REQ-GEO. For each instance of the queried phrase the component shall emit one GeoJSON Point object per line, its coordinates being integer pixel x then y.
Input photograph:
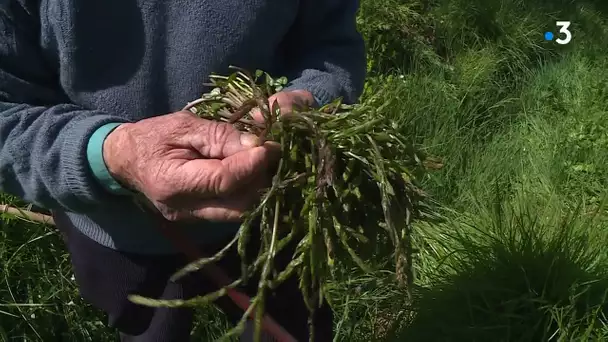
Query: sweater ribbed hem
{"type": "Point", "coordinates": [85, 191]}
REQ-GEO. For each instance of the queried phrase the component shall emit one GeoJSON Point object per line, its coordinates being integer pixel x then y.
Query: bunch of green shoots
{"type": "Point", "coordinates": [344, 189]}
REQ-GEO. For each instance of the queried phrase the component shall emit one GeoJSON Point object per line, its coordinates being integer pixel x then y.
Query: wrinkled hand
{"type": "Point", "coordinates": [188, 167]}
{"type": "Point", "coordinates": [287, 102]}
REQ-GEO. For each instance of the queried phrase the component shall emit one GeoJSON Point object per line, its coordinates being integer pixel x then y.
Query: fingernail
{"type": "Point", "coordinates": [249, 140]}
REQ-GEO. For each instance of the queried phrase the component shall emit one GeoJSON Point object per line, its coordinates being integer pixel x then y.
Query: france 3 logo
{"type": "Point", "coordinates": [564, 35]}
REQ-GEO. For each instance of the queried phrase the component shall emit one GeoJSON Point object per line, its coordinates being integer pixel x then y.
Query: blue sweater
{"type": "Point", "coordinates": [68, 69]}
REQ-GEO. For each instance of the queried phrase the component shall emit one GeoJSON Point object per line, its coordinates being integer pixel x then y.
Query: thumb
{"type": "Point", "coordinates": [218, 178]}
{"type": "Point", "coordinates": [218, 140]}
{"type": "Point", "coordinates": [244, 167]}
{"type": "Point", "coordinates": [252, 165]}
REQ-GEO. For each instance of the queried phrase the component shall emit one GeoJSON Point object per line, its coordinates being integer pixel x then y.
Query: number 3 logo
{"type": "Point", "coordinates": [563, 29]}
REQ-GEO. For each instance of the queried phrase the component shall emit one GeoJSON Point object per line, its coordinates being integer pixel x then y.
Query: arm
{"type": "Point", "coordinates": [43, 138]}
{"type": "Point", "coordinates": [326, 53]}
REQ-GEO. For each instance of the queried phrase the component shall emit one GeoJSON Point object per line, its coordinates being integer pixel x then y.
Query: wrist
{"type": "Point", "coordinates": [115, 154]}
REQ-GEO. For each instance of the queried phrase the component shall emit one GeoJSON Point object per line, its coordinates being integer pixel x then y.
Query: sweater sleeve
{"type": "Point", "coordinates": [325, 52]}
{"type": "Point", "coordinates": [43, 137]}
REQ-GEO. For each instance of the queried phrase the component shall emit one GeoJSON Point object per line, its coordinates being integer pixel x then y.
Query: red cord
{"type": "Point", "coordinates": [269, 325]}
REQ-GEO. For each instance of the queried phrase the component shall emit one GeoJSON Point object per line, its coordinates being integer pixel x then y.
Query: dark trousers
{"type": "Point", "coordinates": [106, 277]}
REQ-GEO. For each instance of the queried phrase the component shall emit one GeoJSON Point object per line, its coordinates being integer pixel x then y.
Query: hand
{"type": "Point", "coordinates": [287, 101]}
{"type": "Point", "coordinates": [190, 168]}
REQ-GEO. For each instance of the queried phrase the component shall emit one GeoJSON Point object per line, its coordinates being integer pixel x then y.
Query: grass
{"type": "Point", "coordinates": [521, 125]}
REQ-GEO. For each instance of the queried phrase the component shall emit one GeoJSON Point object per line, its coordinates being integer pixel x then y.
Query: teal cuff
{"type": "Point", "coordinates": [96, 162]}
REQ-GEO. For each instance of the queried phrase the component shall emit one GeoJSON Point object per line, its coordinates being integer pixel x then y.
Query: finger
{"type": "Point", "coordinates": [233, 207]}
{"type": "Point", "coordinates": [189, 195]}
{"type": "Point", "coordinates": [256, 114]}
{"type": "Point", "coordinates": [212, 177]}
{"type": "Point", "coordinates": [218, 140]}
{"type": "Point", "coordinates": [274, 102]}
{"type": "Point", "coordinates": [248, 169]}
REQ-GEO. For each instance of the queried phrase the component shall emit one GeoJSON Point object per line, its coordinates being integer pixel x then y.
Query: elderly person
{"type": "Point", "coordinates": [90, 93]}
